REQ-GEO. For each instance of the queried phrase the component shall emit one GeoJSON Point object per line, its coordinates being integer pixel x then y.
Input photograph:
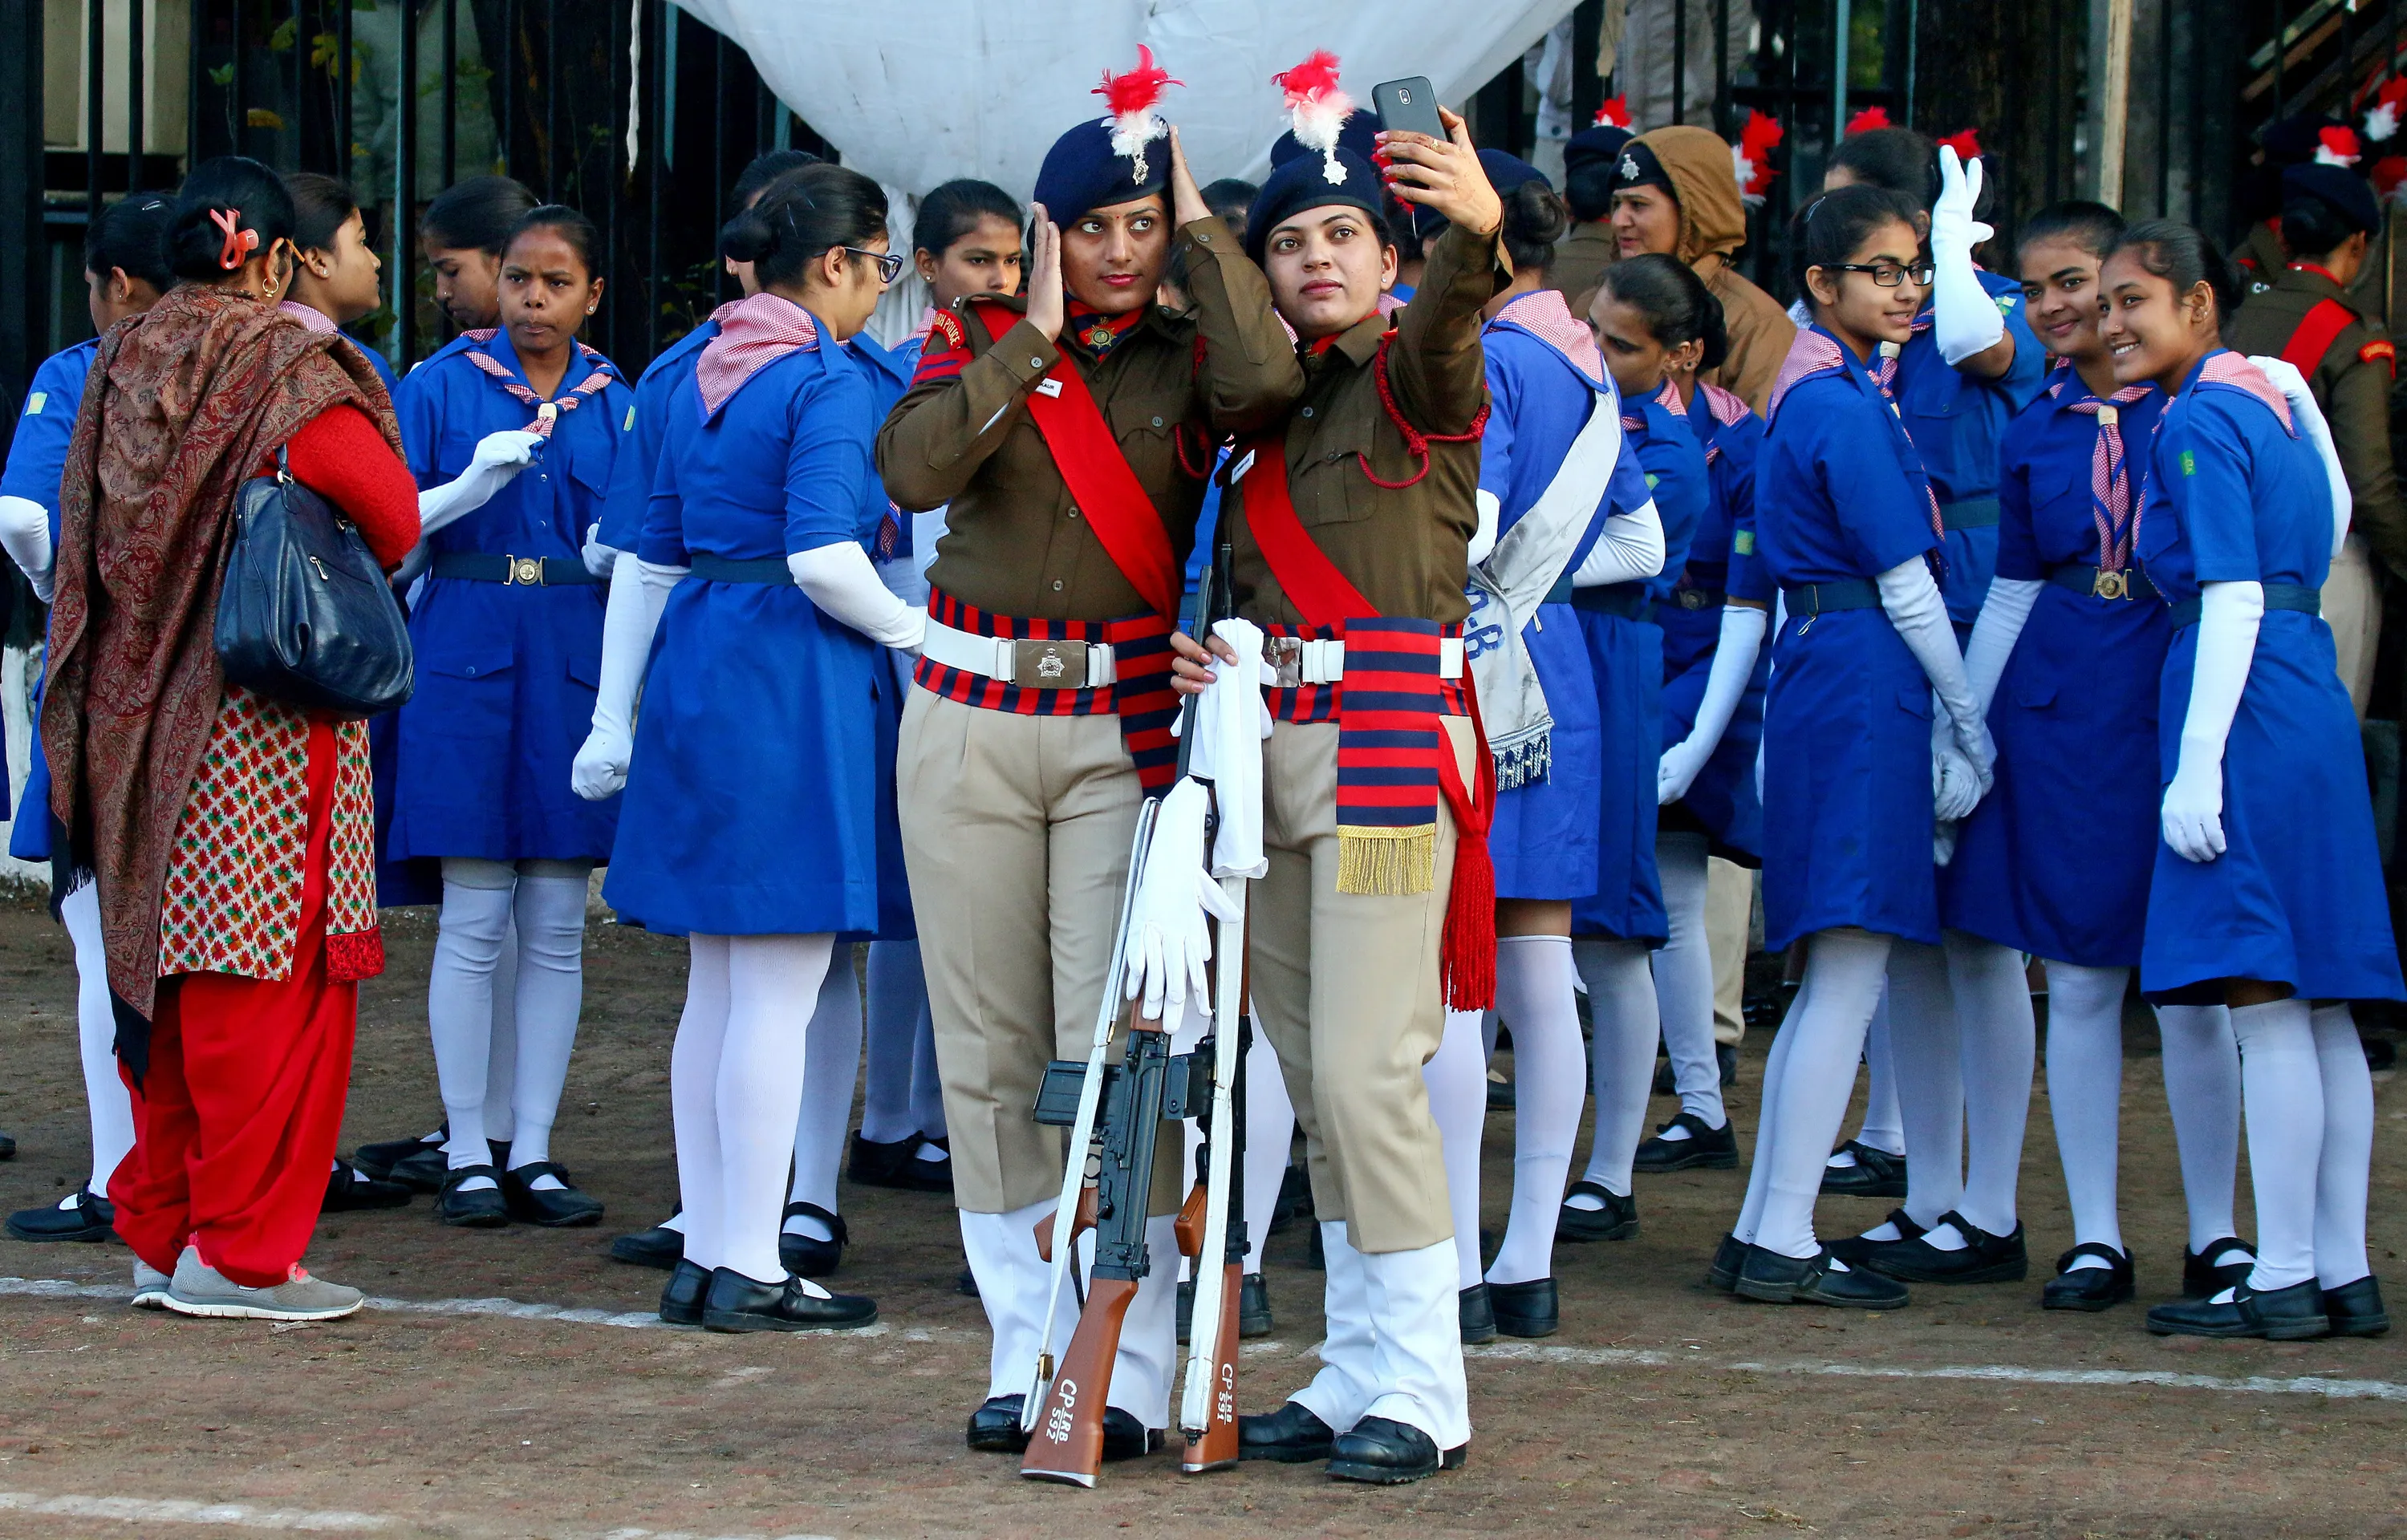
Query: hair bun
{"type": "Point", "coordinates": [748, 237]}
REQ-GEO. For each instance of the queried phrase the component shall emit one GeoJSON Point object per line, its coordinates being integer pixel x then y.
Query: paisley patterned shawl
{"type": "Point", "coordinates": [186, 402]}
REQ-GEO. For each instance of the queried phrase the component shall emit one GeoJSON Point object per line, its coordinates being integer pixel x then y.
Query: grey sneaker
{"type": "Point", "coordinates": [151, 1286]}
{"type": "Point", "coordinates": [200, 1290]}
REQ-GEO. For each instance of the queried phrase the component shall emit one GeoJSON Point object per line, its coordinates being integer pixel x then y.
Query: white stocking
{"type": "Point", "coordinates": [1927, 1054]}
{"type": "Point", "coordinates": [476, 914]}
{"type": "Point", "coordinates": [1533, 992]}
{"type": "Point", "coordinates": [1684, 978]}
{"type": "Point", "coordinates": [898, 991]}
{"type": "Point", "coordinates": [1998, 1041]}
{"type": "Point", "coordinates": [1842, 983]}
{"type": "Point", "coordinates": [1884, 1126]}
{"type": "Point", "coordinates": [2085, 1095]}
{"type": "Point", "coordinates": [771, 980]}
{"type": "Point", "coordinates": [2282, 1090]}
{"type": "Point", "coordinates": [2202, 1092]}
{"type": "Point", "coordinates": [550, 912]}
{"type": "Point", "coordinates": [110, 1105]}
{"type": "Point", "coordinates": [1270, 1140]}
{"type": "Point", "coordinates": [2343, 1173]}
{"type": "Point", "coordinates": [502, 1058]}
{"type": "Point", "coordinates": [831, 1069]}
{"type": "Point", "coordinates": [1456, 1078]}
{"type": "Point", "coordinates": [1621, 1002]}
{"type": "Point", "coordinates": [1767, 1124]}
{"type": "Point", "coordinates": [693, 1096]}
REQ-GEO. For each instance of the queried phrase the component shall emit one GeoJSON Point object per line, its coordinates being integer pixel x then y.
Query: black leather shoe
{"type": "Point", "coordinates": [1858, 1250]}
{"type": "Point", "coordinates": [1984, 1259]}
{"type": "Point", "coordinates": [1617, 1221]}
{"type": "Point", "coordinates": [1526, 1309]}
{"type": "Point", "coordinates": [1291, 1435]}
{"type": "Point", "coordinates": [1876, 1174]}
{"type": "Point", "coordinates": [1728, 1257]}
{"type": "Point", "coordinates": [1705, 1149]}
{"type": "Point", "coordinates": [2354, 1310]}
{"type": "Point", "coordinates": [897, 1165]}
{"type": "Point", "coordinates": [2088, 1287]}
{"type": "Point", "coordinates": [483, 1209]}
{"type": "Point", "coordinates": [807, 1257]}
{"type": "Point", "coordinates": [1474, 1314]}
{"type": "Point", "coordinates": [564, 1207]}
{"type": "Point", "coordinates": [1387, 1453]}
{"type": "Point", "coordinates": [1125, 1438]}
{"type": "Point", "coordinates": [7, 1147]}
{"type": "Point", "coordinates": [658, 1247]}
{"type": "Point", "coordinates": [2285, 1315]}
{"type": "Point", "coordinates": [87, 1217]}
{"type": "Point", "coordinates": [378, 1160]}
{"type": "Point", "coordinates": [424, 1170]}
{"type": "Point", "coordinates": [681, 1297]}
{"type": "Point", "coordinates": [348, 1190]}
{"type": "Point", "coordinates": [1254, 1307]}
{"type": "Point", "coordinates": [994, 1427]}
{"type": "Point", "coordinates": [739, 1304]}
{"type": "Point", "coordinates": [1779, 1280]}
{"type": "Point", "coordinates": [2201, 1281]}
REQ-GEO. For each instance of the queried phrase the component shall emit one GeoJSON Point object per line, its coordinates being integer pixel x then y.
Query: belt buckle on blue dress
{"type": "Point", "coordinates": [524, 571]}
{"type": "Point", "coordinates": [2111, 585]}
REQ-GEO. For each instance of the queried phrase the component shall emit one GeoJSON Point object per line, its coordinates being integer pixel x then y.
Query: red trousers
{"type": "Point", "coordinates": [234, 1126]}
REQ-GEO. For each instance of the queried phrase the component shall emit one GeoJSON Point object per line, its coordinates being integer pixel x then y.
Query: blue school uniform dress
{"type": "Point", "coordinates": [885, 529]}
{"type": "Point", "coordinates": [1840, 498]}
{"type": "Point", "coordinates": [641, 427]}
{"type": "Point", "coordinates": [752, 804]}
{"type": "Point", "coordinates": [2055, 861]}
{"type": "Point", "coordinates": [2237, 494]}
{"type": "Point", "coordinates": [37, 457]}
{"type": "Point", "coordinates": [1721, 802]}
{"type": "Point", "coordinates": [1957, 421]}
{"type": "Point", "coordinates": [1625, 650]}
{"type": "Point", "coordinates": [506, 670]}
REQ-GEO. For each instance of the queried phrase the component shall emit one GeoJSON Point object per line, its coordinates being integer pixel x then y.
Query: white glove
{"type": "Point", "coordinates": [2293, 385]}
{"type": "Point", "coordinates": [1912, 603]}
{"type": "Point", "coordinates": [1627, 549]}
{"type": "Point", "coordinates": [498, 460]}
{"type": "Point", "coordinates": [599, 559]}
{"type": "Point", "coordinates": [1726, 680]}
{"type": "Point", "coordinates": [1964, 319]}
{"type": "Point", "coordinates": [1956, 786]}
{"type": "Point", "coordinates": [2003, 614]}
{"type": "Point", "coordinates": [638, 592]}
{"type": "Point", "coordinates": [840, 580]}
{"type": "Point", "coordinates": [1491, 519]}
{"type": "Point", "coordinates": [1168, 942]}
{"type": "Point", "coordinates": [1231, 719]}
{"type": "Point", "coordinates": [25, 534]}
{"type": "Point", "coordinates": [2229, 616]}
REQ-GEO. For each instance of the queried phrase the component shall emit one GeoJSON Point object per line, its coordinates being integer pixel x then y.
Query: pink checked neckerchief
{"type": "Point", "coordinates": [1727, 408]}
{"type": "Point", "coordinates": [2110, 473]}
{"type": "Point", "coordinates": [1814, 353]}
{"type": "Point", "coordinates": [568, 401]}
{"type": "Point", "coordinates": [1542, 314]}
{"type": "Point", "coordinates": [753, 333]}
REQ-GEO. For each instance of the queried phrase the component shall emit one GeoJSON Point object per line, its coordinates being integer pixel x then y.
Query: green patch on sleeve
{"type": "Point", "coordinates": [1744, 543]}
{"type": "Point", "coordinates": [2189, 463]}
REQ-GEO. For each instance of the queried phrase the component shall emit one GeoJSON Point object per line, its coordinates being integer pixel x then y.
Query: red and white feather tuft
{"type": "Point", "coordinates": [1866, 120]}
{"type": "Point", "coordinates": [2337, 147]}
{"type": "Point", "coordinates": [1966, 144]}
{"type": "Point", "coordinates": [2390, 173]}
{"type": "Point", "coordinates": [1751, 157]}
{"type": "Point", "coordinates": [1614, 114]}
{"type": "Point", "coordinates": [2382, 119]}
{"type": "Point", "coordinates": [1133, 95]}
{"type": "Point", "coordinates": [1317, 108]}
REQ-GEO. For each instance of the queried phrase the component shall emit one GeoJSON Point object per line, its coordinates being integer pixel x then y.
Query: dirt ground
{"type": "Point", "coordinates": [1662, 1408]}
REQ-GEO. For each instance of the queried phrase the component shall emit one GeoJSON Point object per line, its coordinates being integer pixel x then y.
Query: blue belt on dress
{"type": "Point", "coordinates": [2089, 580]}
{"type": "Point", "coordinates": [2278, 596]}
{"type": "Point", "coordinates": [517, 571]}
{"type": "Point", "coordinates": [720, 568]}
{"type": "Point", "coordinates": [1808, 600]}
{"type": "Point", "coordinates": [1972, 513]}
{"type": "Point", "coordinates": [1627, 600]}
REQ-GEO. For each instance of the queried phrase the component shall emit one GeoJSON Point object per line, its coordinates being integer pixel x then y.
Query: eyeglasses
{"type": "Point", "coordinates": [1886, 275]}
{"type": "Point", "coordinates": [890, 266]}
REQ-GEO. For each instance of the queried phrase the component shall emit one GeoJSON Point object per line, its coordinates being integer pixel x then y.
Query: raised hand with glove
{"type": "Point", "coordinates": [1965, 321]}
{"type": "Point", "coordinates": [498, 458]}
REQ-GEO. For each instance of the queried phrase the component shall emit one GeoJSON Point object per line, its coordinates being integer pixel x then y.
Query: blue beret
{"type": "Point", "coordinates": [1081, 172]}
{"type": "Point", "coordinates": [1359, 133]}
{"type": "Point", "coordinates": [1304, 183]}
{"type": "Point", "coordinates": [1507, 172]}
{"type": "Point", "coordinates": [1601, 143]}
{"type": "Point", "coordinates": [2339, 187]}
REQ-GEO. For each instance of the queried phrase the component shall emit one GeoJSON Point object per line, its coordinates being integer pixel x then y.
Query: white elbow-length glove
{"type": "Point", "coordinates": [2293, 385]}
{"type": "Point", "coordinates": [25, 534]}
{"type": "Point", "coordinates": [2229, 616]}
{"type": "Point", "coordinates": [1964, 319]}
{"type": "Point", "coordinates": [1726, 680]}
{"type": "Point", "coordinates": [1169, 942]}
{"type": "Point", "coordinates": [840, 580]}
{"type": "Point", "coordinates": [638, 592]}
{"type": "Point", "coordinates": [1911, 599]}
{"type": "Point", "coordinates": [498, 460]}
{"type": "Point", "coordinates": [600, 559]}
{"type": "Point", "coordinates": [1628, 549]}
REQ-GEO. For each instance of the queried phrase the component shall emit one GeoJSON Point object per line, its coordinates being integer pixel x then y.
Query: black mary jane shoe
{"type": "Point", "coordinates": [87, 1217]}
{"type": "Point", "coordinates": [2354, 1310]}
{"type": "Point", "coordinates": [1876, 1174]}
{"type": "Point", "coordinates": [681, 1297]}
{"type": "Point", "coordinates": [350, 1190]}
{"type": "Point", "coordinates": [1779, 1280]}
{"type": "Point", "coordinates": [994, 1427]}
{"type": "Point", "coordinates": [1526, 1309]}
{"type": "Point", "coordinates": [378, 1160]}
{"type": "Point", "coordinates": [658, 1246]}
{"type": "Point", "coordinates": [1125, 1438]}
{"type": "Point", "coordinates": [1617, 1221]}
{"type": "Point", "coordinates": [895, 1164]}
{"type": "Point", "coordinates": [482, 1210]}
{"type": "Point", "coordinates": [1291, 1435]}
{"type": "Point", "coordinates": [1474, 1314]}
{"type": "Point", "coordinates": [422, 1170]}
{"type": "Point", "coordinates": [1387, 1453]}
{"type": "Point", "coordinates": [807, 1256]}
{"type": "Point", "coordinates": [562, 1207]}
{"type": "Point", "coordinates": [740, 1304]}
{"type": "Point", "coordinates": [1984, 1258]}
{"type": "Point", "coordinates": [1858, 1251]}
{"type": "Point", "coordinates": [2088, 1287]}
{"type": "Point", "coordinates": [1705, 1149]}
{"type": "Point", "coordinates": [1728, 1257]}
{"type": "Point", "coordinates": [2293, 1314]}
{"type": "Point", "coordinates": [2202, 1280]}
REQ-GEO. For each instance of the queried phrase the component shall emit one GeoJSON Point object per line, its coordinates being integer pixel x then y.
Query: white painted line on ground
{"type": "Point", "coordinates": [2359, 1389]}
{"type": "Point", "coordinates": [148, 1510]}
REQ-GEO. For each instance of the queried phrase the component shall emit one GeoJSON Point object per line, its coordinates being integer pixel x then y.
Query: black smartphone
{"type": "Point", "coordinates": [1408, 106]}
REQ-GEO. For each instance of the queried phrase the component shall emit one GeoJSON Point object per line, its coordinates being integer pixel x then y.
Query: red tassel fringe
{"type": "Point", "coordinates": [1467, 952]}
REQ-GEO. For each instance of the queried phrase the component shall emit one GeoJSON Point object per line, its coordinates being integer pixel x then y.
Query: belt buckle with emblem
{"type": "Point", "coordinates": [1690, 598]}
{"type": "Point", "coordinates": [1285, 655]}
{"type": "Point", "coordinates": [525, 571]}
{"type": "Point", "coordinates": [1048, 665]}
{"type": "Point", "coordinates": [2111, 585]}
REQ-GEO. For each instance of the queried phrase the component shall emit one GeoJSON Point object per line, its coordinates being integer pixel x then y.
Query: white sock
{"type": "Point", "coordinates": [2344, 1170]}
{"type": "Point", "coordinates": [1148, 1351]}
{"type": "Point", "coordinates": [831, 1069]}
{"type": "Point", "coordinates": [693, 1096]}
{"type": "Point", "coordinates": [1927, 1056]}
{"type": "Point", "coordinates": [1417, 1344]}
{"type": "Point", "coordinates": [110, 1105]}
{"type": "Point", "coordinates": [476, 897]}
{"type": "Point", "coordinates": [1012, 1280]}
{"type": "Point", "coordinates": [2282, 1091]}
{"type": "Point", "coordinates": [1776, 1068]}
{"type": "Point", "coordinates": [1347, 1380]}
{"type": "Point", "coordinates": [550, 915]}
{"type": "Point", "coordinates": [2202, 1092]}
{"type": "Point", "coordinates": [1998, 1041]}
{"type": "Point", "coordinates": [1843, 984]}
{"type": "Point", "coordinates": [1533, 992]}
{"type": "Point", "coordinates": [502, 1058]}
{"type": "Point", "coordinates": [1884, 1126]}
{"type": "Point", "coordinates": [1270, 1140]}
{"type": "Point", "coordinates": [772, 980]}
{"type": "Point", "coordinates": [897, 992]}
{"type": "Point", "coordinates": [2085, 1095]}
{"type": "Point", "coordinates": [1621, 1003]}
{"type": "Point", "coordinates": [1684, 979]}
{"type": "Point", "coordinates": [1457, 1077]}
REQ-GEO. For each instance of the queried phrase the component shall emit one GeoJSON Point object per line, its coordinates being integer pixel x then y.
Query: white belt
{"type": "Point", "coordinates": [1323, 662]}
{"type": "Point", "coordinates": [1041, 665]}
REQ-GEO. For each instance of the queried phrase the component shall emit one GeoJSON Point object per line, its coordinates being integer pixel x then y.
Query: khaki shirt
{"type": "Point", "coordinates": [1015, 544]}
{"type": "Point", "coordinates": [2351, 382]}
{"type": "Point", "coordinates": [1580, 261]}
{"type": "Point", "coordinates": [1405, 550]}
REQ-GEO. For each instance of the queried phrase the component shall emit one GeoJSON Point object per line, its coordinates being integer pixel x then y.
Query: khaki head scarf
{"type": "Point", "coordinates": [1713, 221]}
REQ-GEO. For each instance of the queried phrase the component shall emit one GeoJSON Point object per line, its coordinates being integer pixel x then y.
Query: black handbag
{"type": "Point", "coordinates": [305, 616]}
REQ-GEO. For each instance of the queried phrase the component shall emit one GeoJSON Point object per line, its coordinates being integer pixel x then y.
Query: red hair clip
{"type": "Point", "coordinates": [239, 243]}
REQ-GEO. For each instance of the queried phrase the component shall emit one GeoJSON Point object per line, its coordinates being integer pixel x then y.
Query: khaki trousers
{"type": "Point", "coordinates": [1015, 830]}
{"type": "Point", "coordinates": [1348, 984]}
{"type": "Point", "coordinates": [1729, 910]}
{"type": "Point", "coordinates": [2353, 610]}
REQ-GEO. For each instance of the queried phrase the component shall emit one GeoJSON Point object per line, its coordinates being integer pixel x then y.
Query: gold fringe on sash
{"type": "Point", "coordinates": [1387, 862]}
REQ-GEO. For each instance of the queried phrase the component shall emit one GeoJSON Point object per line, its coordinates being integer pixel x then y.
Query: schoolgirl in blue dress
{"type": "Point", "coordinates": [125, 271]}
{"type": "Point", "coordinates": [508, 635]}
{"type": "Point", "coordinates": [2268, 889]}
{"type": "Point", "coordinates": [751, 811]}
{"type": "Point", "coordinates": [1845, 522]}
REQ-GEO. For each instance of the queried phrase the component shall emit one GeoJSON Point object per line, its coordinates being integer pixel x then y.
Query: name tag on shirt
{"type": "Point", "coordinates": [1048, 388]}
{"type": "Point", "coordinates": [1237, 471]}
